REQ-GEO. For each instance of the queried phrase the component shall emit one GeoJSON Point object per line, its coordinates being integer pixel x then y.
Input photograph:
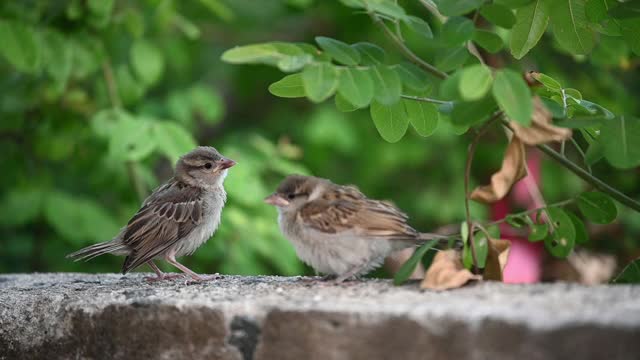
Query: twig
{"type": "Point", "coordinates": [531, 211]}
{"type": "Point", "coordinates": [424, 99]}
{"type": "Point", "coordinates": [584, 156]}
{"type": "Point", "coordinates": [467, 175]}
{"type": "Point", "coordinates": [116, 103]}
{"type": "Point", "coordinates": [405, 50]}
{"type": "Point", "coordinates": [584, 175]}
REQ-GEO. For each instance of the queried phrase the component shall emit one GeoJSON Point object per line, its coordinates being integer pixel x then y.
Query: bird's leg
{"type": "Point", "coordinates": [349, 274]}
{"type": "Point", "coordinates": [171, 259]}
{"type": "Point", "coordinates": [159, 274]}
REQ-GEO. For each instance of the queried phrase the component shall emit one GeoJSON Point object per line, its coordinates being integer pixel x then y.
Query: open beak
{"type": "Point", "coordinates": [276, 200]}
{"type": "Point", "coordinates": [226, 163]}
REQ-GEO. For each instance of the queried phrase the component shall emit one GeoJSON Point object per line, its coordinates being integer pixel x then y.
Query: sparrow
{"type": "Point", "coordinates": [175, 219]}
{"type": "Point", "coordinates": [337, 230]}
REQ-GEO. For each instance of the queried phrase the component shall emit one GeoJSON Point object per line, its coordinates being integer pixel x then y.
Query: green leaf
{"type": "Point", "coordinates": [531, 22]}
{"type": "Point", "coordinates": [630, 28]}
{"type": "Point", "coordinates": [219, 9]}
{"type": "Point", "coordinates": [560, 243]}
{"type": "Point", "coordinates": [287, 57]}
{"type": "Point", "coordinates": [387, 8]}
{"type": "Point", "coordinates": [370, 54]}
{"type": "Point", "coordinates": [549, 82]}
{"type": "Point", "coordinates": [457, 7]}
{"type": "Point", "coordinates": [58, 57]}
{"type": "Point", "coordinates": [499, 15]}
{"type": "Point", "coordinates": [513, 4]}
{"type": "Point", "coordinates": [620, 138]}
{"type": "Point", "coordinates": [100, 12]}
{"type": "Point", "coordinates": [387, 85]}
{"type": "Point", "coordinates": [626, 10]}
{"type": "Point", "coordinates": [320, 81]}
{"type": "Point", "coordinates": [172, 140]}
{"type": "Point", "coordinates": [596, 10]}
{"type": "Point", "coordinates": [206, 102]}
{"type": "Point", "coordinates": [630, 274]}
{"type": "Point", "coordinates": [339, 51]}
{"type": "Point", "coordinates": [482, 250]}
{"type": "Point", "coordinates": [290, 86]}
{"type": "Point", "coordinates": [21, 206]}
{"type": "Point", "coordinates": [597, 207]}
{"type": "Point", "coordinates": [390, 120]}
{"type": "Point", "coordinates": [78, 219]}
{"type": "Point", "coordinates": [419, 26]}
{"type": "Point", "coordinates": [410, 265]}
{"type": "Point", "coordinates": [423, 116]}
{"type": "Point", "coordinates": [471, 113]}
{"type": "Point", "coordinates": [517, 221]}
{"type": "Point", "coordinates": [343, 105]}
{"type": "Point", "coordinates": [538, 232]}
{"type": "Point", "coordinates": [456, 31]}
{"type": "Point", "coordinates": [452, 58]}
{"type": "Point", "coordinates": [582, 236]}
{"type": "Point", "coordinates": [20, 46]}
{"type": "Point", "coordinates": [570, 26]}
{"type": "Point", "coordinates": [488, 40]}
{"type": "Point", "coordinates": [475, 82]}
{"type": "Point", "coordinates": [131, 138]}
{"type": "Point", "coordinates": [594, 153]}
{"type": "Point", "coordinates": [356, 86]}
{"type": "Point", "coordinates": [413, 77]}
{"type": "Point", "coordinates": [147, 61]}
{"type": "Point", "coordinates": [513, 95]}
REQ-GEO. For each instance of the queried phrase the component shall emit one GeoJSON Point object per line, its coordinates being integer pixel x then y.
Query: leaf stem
{"type": "Point", "coordinates": [116, 103]}
{"type": "Point", "coordinates": [405, 50]}
{"type": "Point", "coordinates": [531, 211]}
{"type": "Point", "coordinates": [467, 175]}
{"type": "Point", "coordinates": [424, 99]}
{"type": "Point", "coordinates": [584, 175]}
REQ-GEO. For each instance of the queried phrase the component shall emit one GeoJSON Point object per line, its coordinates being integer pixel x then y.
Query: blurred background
{"type": "Point", "coordinates": [99, 98]}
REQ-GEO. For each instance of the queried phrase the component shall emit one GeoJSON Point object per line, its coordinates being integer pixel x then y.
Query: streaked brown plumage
{"type": "Point", "coordinates": [175, 219]}
{"type": "Point", "coordinates": [338, 230]}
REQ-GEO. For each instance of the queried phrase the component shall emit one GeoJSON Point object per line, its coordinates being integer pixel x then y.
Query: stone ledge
{"type": "Point", "coordinates": [63, 316]}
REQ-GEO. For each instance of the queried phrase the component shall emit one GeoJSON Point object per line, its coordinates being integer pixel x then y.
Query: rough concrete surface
{"type": "Point", "coordinates": [80, 316]}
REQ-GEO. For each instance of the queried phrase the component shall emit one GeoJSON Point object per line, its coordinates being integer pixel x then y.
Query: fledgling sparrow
{"type": "Point", "coordinates": [337, 230]}
{"type": "Point", "coordinates": [175, 219]}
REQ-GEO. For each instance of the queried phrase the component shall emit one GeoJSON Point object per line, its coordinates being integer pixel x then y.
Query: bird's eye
{"type": "Point", "coordinates": [208, 165]}
{"type": "Point", "coordinates": [291, 196]}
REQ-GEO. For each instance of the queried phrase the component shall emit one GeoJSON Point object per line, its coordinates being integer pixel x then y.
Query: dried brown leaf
{"type": "Point", "coordinates": [496, 259]}
{"type": "Point", "coordinates": [542, 129]}
{"type": "Point", "coordinates": [447, 272]}
{"type": "Point", "coordinates": [513, 169]}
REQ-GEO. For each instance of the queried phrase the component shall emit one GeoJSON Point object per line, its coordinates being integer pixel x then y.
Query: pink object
{"type": "Point", "coordinates": [525, 258]}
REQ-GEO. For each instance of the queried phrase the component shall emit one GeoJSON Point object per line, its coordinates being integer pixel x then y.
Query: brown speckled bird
{"type": "Point", "coordinates": [175, 219]}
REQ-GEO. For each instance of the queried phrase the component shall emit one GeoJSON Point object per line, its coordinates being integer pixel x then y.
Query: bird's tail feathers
{"type": "Point", "coordinates": [98, 249]}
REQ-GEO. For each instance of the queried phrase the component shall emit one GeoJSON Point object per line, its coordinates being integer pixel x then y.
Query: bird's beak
{"type": "Point", "coordinates": [276, 200]}
{"type": "Point", "coordinates": [226, 163]}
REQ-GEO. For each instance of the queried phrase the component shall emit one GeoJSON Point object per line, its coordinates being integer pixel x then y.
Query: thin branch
{"type": "Point", "coordinates": [424, 99]}
{"type": "Point", "coordinates": [405, 50]}
{"type": "Point", "coordinates": [116, 103]}
{"type": "Point", "coordinates": [584, 175]}
{"type": "Point", "coordinates": [467, 176]}
{"type": "Point", "coordinates": [531, 211]}
{"type": "Point", "coordinates": [581, 152]}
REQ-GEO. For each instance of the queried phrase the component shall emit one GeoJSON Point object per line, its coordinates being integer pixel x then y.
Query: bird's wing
{"type": "Point", "coordinates": [168, 215]}
{"type": "Point", "coordinates": [369, 218]}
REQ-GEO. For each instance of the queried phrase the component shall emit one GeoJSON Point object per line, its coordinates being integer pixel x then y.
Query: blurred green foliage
{"type": "Point", "coordinates": [100, 97]}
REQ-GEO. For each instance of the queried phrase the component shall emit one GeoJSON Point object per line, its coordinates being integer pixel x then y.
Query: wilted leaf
{"type": "Point", "coordinates": [497, 259]}
{"type": "Point", "coordinates": [447, 272]}
{"type": "Point", "coordinates": [542, 129]}
{"type": "Point", "coordinates": [513, 169]}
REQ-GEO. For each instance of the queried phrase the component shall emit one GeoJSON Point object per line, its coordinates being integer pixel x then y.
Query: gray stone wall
{"type": "Point", "coordinates": [79, 316]}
